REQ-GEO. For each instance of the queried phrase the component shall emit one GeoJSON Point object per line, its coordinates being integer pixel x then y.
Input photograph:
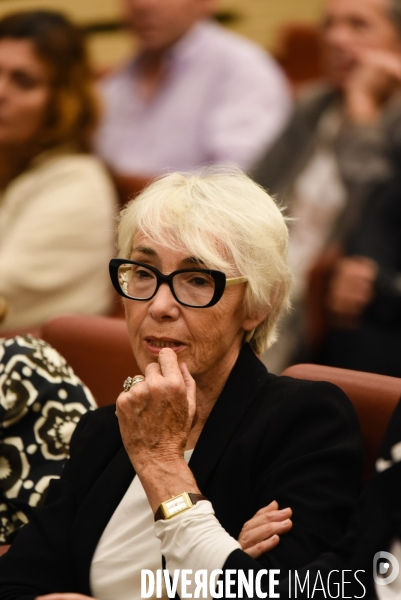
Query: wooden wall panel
{"type": "Point", "coordinates": [83, 10]}
{"type": "Point", "coordinates": [262, 18]}
{"type": "Point", "coordinates": [259, 20]}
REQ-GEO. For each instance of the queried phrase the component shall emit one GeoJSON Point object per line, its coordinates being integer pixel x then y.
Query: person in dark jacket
{"type": "Point", "coordinates": [338, 145]}
{"type": "Point", "coordinates": [364, 294]}
{"type": "Point", "coordinates": [203, 437]}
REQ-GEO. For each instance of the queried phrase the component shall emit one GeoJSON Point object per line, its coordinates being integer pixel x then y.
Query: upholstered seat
{"type": "Point", "coordinates": [374, 398]}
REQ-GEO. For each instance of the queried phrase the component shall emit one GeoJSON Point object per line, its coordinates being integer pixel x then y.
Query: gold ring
{"type": "Point", "coordinates": [131, 381]}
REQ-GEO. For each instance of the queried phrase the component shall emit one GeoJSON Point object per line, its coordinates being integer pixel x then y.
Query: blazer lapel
{"type": "Point", "coordinates": [244, 382]}
{"type": "Point", "coordinates": [96, 511]}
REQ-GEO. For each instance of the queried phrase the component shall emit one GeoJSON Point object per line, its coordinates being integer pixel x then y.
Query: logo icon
{"type": "Point", "coordinates": [385, 568]}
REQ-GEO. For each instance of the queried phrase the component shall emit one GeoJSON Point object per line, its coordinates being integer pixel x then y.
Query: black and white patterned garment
{"type": "Point", "coordinates": [41, 402]}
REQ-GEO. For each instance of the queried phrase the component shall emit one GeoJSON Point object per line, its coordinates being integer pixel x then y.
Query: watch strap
{"type": "Point", "coordinates": [194, 498]}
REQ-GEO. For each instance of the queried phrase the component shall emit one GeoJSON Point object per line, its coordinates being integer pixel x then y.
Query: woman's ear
{"type": "Point", "coordinates": [256, 316]}
{"type": "Point", "coordinates": [253, 320]}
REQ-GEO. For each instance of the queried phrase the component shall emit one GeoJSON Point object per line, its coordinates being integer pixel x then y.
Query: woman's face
{"type": "Point", "coordinates": [206, 339]}
{"type": "Point", "coordinates": [24, 93]}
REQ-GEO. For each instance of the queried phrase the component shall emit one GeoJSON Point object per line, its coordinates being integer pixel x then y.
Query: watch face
{"type": "Point", "coordinates": [176, 505]}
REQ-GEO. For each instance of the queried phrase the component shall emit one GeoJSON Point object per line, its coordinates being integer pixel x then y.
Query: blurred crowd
{"type": "Point", "coordinates": [73, 150]}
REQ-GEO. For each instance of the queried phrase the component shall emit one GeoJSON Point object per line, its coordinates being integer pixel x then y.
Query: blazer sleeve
{"type": "Point", "coordinates": [313, 456]}
{"type": "Point", "coordinates": [311, 460]}
{"type": "Point", "coordinates": [282, 162]}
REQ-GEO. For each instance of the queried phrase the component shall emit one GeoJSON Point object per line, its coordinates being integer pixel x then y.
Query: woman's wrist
{"type": "Point", "coordinates": [163, 479]}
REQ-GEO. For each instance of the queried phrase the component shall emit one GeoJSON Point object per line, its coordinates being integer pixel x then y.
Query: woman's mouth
{"type": "Point", "coordinates": [154, 345]}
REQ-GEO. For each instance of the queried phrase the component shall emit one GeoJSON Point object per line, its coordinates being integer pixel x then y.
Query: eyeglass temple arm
{"type": "Point", "coordinates": [235, 280]}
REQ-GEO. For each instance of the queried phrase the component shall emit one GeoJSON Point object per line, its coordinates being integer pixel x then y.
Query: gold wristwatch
{"type": "Point", "coordinates": [176, 505]}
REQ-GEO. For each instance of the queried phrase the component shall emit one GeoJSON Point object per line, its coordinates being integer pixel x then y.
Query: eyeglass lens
{"type": "Point", "coordinates": [191, 287]}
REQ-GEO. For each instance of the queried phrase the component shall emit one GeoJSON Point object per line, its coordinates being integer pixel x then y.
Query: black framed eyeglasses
{"type": "Point", "coordinates": [197, 288]}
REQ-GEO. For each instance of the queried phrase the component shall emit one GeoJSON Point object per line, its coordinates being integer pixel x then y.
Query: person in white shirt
{"type": "Point", "coordinates": [194, 94]}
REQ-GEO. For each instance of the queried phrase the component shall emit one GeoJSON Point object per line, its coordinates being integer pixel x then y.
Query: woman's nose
{"type": "Point", "coordinates": [163, 305]}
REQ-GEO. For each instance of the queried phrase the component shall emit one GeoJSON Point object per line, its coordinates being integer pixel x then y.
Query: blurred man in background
{"type": "Point", "coordinates": [194, 94]}
{"type": "Point", "coordinates": [338, 145]}
{"type": "Point", "coordinates": [363, 299]}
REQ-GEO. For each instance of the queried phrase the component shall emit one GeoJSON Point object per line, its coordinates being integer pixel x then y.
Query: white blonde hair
{"type": "Point", "coordinates": [227, 221]}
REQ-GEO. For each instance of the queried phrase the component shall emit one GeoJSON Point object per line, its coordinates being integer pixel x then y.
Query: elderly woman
{"type": "Point", "coordinates": [56, 200]}
{"type": "Point", "coordinates": [205, 437]}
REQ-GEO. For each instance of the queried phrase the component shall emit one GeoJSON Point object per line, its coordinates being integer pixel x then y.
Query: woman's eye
{"type": "Point", "coordinates": [199, 281]}
{"type": "Point", "coordinates": [142, 274]}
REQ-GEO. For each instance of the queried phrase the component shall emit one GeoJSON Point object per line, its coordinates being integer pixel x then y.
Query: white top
{"type": "Point", "coordinates": [56, 239]}
{"type": "Point", "coordinates": [193, 539]}
{"type": "Point", "coordinates": [223, 99]}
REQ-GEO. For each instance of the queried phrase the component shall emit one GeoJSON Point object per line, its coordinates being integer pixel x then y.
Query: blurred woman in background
{"type": "Point", "coordinates": [56, 200]}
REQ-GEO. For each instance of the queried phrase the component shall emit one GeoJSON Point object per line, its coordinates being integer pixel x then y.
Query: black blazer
{"type": "Point", "coordinates": [267, 438]}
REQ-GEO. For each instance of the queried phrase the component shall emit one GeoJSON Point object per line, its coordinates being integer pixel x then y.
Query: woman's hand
{"type": "Point", "coordinates": [261, 533]}
{"type": "Point", "coordinates": [155, 418]}
{"type": "Point", "coordinates": [156, 415]}
{"type": "Point", "coordinates": [64, 597]}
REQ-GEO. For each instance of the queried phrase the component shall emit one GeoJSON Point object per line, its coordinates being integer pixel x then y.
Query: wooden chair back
{"type": "Point", "coordinates": [299, 52]}
{"type": "Point", "coordinates": [97, 348]}
{"type": "Point", "coordinates": [374, 398]}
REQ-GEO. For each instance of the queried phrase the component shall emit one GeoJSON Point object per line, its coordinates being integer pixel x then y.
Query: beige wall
{"type": "Point", "coordinates": [260, 20]}
{"type": "Point", "coordinates": [263, 18]}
